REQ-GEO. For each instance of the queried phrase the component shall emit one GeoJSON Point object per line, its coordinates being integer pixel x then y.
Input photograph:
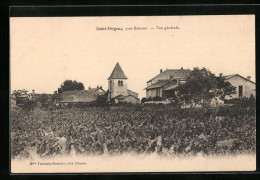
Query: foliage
{"type": "Point", "coordinates": [69, 85]}
{"type": "Point", "coordinates": [136, 128]}
{"type": "Point", "coordinates": [245, 101]}
{"type": "Point", "coordinates": [143, 100]}
{"type": "Point", "coordinates": [157, 98]}
{"type": "Point", "coordinates": [202, 84]}
{"type": "Point", "coordinates": [28, 105]}
{"type": "Point", "coordinates": [102, 99]}
{"type": "Point", "coordinates": [43, 98]}
{"type": "Point", "coordinates": [223, 88]}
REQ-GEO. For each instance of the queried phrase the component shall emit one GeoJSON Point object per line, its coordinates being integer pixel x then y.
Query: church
{"type": "Point", "coordinates": [117, 91]}
{"type": "Point", "coordinates": [117, 87]}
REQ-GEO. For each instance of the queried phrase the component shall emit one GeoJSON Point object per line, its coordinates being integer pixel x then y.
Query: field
{"type": "Point", "coordinates": [143, 129]}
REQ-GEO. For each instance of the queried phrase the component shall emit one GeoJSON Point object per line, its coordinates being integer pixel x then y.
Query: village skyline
{"type": "Point", "coordinates": [47, 51]}
{"type": "Point", "coordinates": [105, 86]}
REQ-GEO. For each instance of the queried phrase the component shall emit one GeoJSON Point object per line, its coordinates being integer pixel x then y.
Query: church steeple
{"type": "Point", "coordinates": [117, 73]}
{"type": "Point", "coordinates": [117, 83]}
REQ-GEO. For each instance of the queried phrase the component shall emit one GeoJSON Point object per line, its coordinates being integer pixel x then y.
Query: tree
{"type": "Point", "coordinates": [143, 100]}
{"type": "Point", "coordinates": [69, 85]}
{"type": "Point", "coordinates": [102, 99]}
{"type": "Point", "coordinates": [202, 84]}
{"type": "Point", "coordinates": [224, 88]}
{"type": "Point", "coordinates": [43, 99]}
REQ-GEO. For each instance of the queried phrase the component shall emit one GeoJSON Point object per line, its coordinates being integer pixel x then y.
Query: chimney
{"type": "Point", "coordinates": [97, 87]}
{"type": "Point", "coordinates": [33, 92]}
{"type": "Point", "coordinates": [248, 77]}
{"type": "Point", "coordinates": [178, 81]}
{"type": "Point", "coordinates": [100, 87]}
{"type": "Point", "coordinates": [89, 88]}
{"type": "Point", "coordinates": [55, 92]}
{"type": "Point", "coordinates": [161, 70]}
{"type": "Point", "coordinates": [181, 68]}
{"type": "Point", "coordinates": [220, 74]}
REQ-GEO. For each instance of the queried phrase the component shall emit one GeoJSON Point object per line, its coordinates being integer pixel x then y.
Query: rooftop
{"type": "Point", "coordinates": [117, 73]}
{"type": "Point", "coordinates": [80, 95]}
{"type": "Point", "coordinates": [237, 75]}
{"type": "Point", "coordinates": [172, 73]}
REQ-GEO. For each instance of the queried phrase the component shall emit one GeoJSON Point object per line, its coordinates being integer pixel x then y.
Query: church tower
{"type": "Point", "coordinates": [117, 83]}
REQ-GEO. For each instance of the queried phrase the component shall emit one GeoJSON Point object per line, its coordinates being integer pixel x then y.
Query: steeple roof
{"type": "Point", "coordinates": [117, 73]}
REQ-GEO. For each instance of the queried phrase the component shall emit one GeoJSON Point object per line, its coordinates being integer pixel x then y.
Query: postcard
{"type": "Point", "coordinates": [132, 94]}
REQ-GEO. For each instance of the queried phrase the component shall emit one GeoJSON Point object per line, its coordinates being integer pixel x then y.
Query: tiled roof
{"type": "Point", "coordinates": [173, 74]}
{"type": "Point", "coordinates": [158, 84]}
{"type": "Point", "coordinates": [36, 96]}
{"type": "Point", "coordinates": [171, 87]}
{"type": "Point", "coordinates": [234, 75]}
{"type": "Point", "coordinates": [121, 97]}
{"type": "Point", "coordinates": [117, 73]}
{"type": "Point", "coordinates": [132, 93]}
{"type": "Point", "coordinates": [80, 95]}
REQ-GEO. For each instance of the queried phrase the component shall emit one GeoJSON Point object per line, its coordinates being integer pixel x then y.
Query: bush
{"type": "Point", "coordinates": [28, 105]}
{"type": "Point", "coordinates": [245, 102]}
{"type": "Point", "coordinates": [157, 98]}
{"type": "Point", "coordinates": [143, 100]}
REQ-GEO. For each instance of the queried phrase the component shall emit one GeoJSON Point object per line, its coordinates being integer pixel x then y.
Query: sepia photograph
{"type": "Point", "coordinates": [132, 94]}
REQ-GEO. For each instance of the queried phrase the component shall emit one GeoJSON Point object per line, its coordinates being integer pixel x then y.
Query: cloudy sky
{"type": "Point", "coordinates": [45, 51]}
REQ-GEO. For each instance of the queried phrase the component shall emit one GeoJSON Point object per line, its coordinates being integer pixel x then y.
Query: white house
{"type": "Point", "coordinates": [163, 85]}
{"type": "Point", "coordinates": [244, 86]}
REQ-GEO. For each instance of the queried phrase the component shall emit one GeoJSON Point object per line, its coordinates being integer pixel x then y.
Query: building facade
{"type": "Point", "coordinates": [163, 85]}
{"type": "Point", "coordinates": [244, 86]}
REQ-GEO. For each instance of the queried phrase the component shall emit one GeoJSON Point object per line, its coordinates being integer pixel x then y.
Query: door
{"type": "Point", "coordinates": [240, 91]}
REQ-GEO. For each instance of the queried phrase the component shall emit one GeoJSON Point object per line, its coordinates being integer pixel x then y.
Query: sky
{"type": "Point", "coordinates": [45, 51]}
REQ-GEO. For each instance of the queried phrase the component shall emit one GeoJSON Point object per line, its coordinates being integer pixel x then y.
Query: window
{"type": "Point", "coordinates": [110, 85]}
{"type": "Point", "coordinates": [240, 91]}
{"type": "Point", "coordinates": [157, 92]}
{"type": "Point", "coordinates": [120, 83]}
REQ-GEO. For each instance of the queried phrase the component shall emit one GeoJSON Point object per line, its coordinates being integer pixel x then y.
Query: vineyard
{"type": "Point", "coordinates": [161, 129]}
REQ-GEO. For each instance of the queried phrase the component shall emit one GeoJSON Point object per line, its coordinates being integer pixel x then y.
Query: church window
{"type": "Point", "coordinates": [120, 83]}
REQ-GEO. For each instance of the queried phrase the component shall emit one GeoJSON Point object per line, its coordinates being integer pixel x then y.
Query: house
{"type": "Point", "coordinates": [79, 96]}
{"type": "Point", "coordinates": [117, 87]}
{"type": "Point", "coordinates": [13, 103]}
{"type": "Point", "coordinates": [36, 96]}
{"type": "Point", "coordinates": [163, 85]}
{"type": "Point", "coordinates": [245, 87]}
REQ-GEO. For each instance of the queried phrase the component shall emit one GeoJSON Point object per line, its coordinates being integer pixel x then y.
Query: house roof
{"type": "Point", "coordinates": [171, 87]}
{"type": "Point", "coordinates": [121, 97]}
{"type": "Point", "coordinates": [117, 73]}
{"type": "Point", "coordinates": [158, 84]}
{"type": "Point", "coordinates": [234, 75]}
{"type": "Point", "coordinates": [80, 95]}
{"type": "Point", "coordinates": [175, 73]}
{"type": "Point", "coordinates": [95, 90]}
{"type": "Point", "coordinates": [132, 93]}
{"type": "Point", "coordinates": [49, 96]}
